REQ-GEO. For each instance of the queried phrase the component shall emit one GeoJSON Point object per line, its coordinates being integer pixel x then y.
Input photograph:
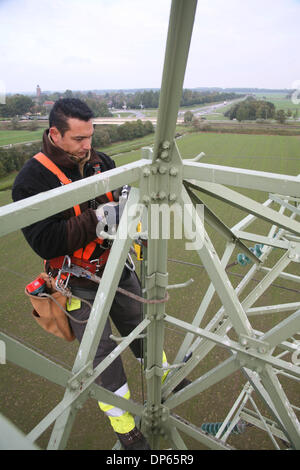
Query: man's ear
{"type": "Point", "coordinates": [55, 134]}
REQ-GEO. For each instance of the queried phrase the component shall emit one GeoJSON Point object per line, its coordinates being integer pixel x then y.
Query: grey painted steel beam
{"type": "Point", "coordinates": [74, 393]}
{"type": "Point", "coordinates": [245, 351]}
{"type": "Point", "coordinates": [219, 277]}
{"type": "Point", "coordinates": [259, 180]}
{"type": "Point", "coordinates": [245, 203]}
{"type": "Point", "coordinates": [290, 422]}
{"type": "Point", "coordinates": [181, 22]}
{"type": "Point", "coordinates": [34, 362]}
{"type": "Point", "coordinates": [27, 211]}
{"type": "Point", "coordinates": [197, 434]}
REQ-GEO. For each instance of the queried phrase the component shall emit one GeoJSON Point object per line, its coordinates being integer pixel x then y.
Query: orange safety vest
{"type": "Point", "coordinates": [81, 256]}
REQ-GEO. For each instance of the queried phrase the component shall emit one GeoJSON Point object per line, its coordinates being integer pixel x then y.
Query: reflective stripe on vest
{"type": "Point", "coordinates": [81, 253]}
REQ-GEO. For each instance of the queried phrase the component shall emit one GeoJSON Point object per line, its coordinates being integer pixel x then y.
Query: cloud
{"type": "Point", "coordinates": [121, 43]}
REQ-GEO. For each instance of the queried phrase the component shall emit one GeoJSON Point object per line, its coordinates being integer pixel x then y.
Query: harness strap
{"type": "Point", "coordinates": [45, 161]}
{"type": "Point", "coordinates": [82, 255]}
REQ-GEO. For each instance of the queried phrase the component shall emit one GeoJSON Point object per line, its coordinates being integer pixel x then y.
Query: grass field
{"type": "Point", "coordinates": [280, 101]}
{"type": "Point", "coordinates": [14, 137]}
{"type": "Point", "coordinates": [26, 398]}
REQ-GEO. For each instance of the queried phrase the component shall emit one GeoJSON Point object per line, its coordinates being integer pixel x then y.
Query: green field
{"type": "Point", "coordinates": [280, 101]}
{"type": "Point", "coordinates": [14, 137]}
{"type": "Point", "coordinates": [26, 399]}
{"type": "Point", "coordinates": [278, 154]}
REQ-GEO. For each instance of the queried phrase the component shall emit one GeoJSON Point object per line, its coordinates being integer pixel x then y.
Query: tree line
{"type": "Point", "coordinates": [102, 105]}
{"type": "Point", "coordinates": [13, 158]}
{"type": "Point", "coordinates": [105, 135]}
{"type": "Point", "coordinates": [252, 109]}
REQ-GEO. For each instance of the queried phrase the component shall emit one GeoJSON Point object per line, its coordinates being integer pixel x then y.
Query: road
{"type": "Point", "coordinates": [138, 114]}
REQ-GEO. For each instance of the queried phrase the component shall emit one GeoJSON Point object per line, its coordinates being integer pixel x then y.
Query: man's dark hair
{"type": "Point", "coordinates": [66, 108]}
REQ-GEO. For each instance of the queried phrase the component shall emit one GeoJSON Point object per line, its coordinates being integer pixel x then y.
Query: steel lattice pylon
{"type": "Point", "coordinates": [165, 179]}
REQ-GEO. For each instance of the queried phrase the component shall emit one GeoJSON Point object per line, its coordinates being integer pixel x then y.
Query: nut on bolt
{"type": "Point", "coordinates": [164, 154]}
{"type": "Point", "coordinates": [173, 171]}
{"type": "Point", "coordinates": [146, 172]}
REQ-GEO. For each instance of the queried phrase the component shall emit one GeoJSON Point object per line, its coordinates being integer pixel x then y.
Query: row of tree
{"type": "Point", "coordinates": [252, 109]}
{"type": "Point", "coordinates": [17, 105]}
{"type": "Point", "coordinates": [150, 98]}
{"type": "Point", "coordinates": [13, 158]}
{"type": "Point", "coordinates": [105, 135]}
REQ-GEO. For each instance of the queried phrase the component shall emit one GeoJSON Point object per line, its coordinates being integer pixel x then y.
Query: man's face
{"type": "Point", "coordinates": [76, 140]}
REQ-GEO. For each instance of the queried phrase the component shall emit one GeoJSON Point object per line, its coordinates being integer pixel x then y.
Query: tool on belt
{"type": "Point", "coordinates": [69, 269]}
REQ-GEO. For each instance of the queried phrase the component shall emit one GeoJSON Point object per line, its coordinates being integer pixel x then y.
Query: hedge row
{"type": "Point", "coordinates": [13, 158]}
{"type": "Point", "coordinates": [105, 135]}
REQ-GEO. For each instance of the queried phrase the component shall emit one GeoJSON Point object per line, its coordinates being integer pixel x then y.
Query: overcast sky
{"type": "Point", "coordinates": [114, 44]}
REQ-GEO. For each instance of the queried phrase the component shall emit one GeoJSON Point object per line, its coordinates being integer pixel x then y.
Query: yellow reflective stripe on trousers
{"type": "Point", "coordinates": [120, 420]}
{"type": "Point", "coordinates": [164, 364]}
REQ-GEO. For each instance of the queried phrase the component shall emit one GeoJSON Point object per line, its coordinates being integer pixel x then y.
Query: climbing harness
{"type": "Point", "coordinates": [71, 269]}
{"type": "Point", "coordinates": [82, 255]}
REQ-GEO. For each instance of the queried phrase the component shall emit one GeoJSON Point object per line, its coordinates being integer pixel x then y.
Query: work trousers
{"type": "Point", "coordinates": [126, 314]}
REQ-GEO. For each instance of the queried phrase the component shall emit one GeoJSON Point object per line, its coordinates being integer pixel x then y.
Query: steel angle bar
{"type": "Point", "coordinates": [207, 380]}
{"type": "Point", "coordinates": [31, 360]}
{"type": "Point", "coordinates": [252, 237]}
{"type": "Point", "coordinates": [283, 330]}
{"type": "Point", "coordinates": [181, 23]}
{"type": "Point", "coordinates": [283, 275]}
{"type": "Point", "coordinates": [183, 351]}
{"type": "Point", "coordinates": [244, 223]}
{"type": "Point", "coordinates": [217, 273]}
{"type": "Point", "coordinates": [247, 204]}
{"type": "Point", "coordinates": [101, 307]}
{"type": "Point", "coordinates": [287, 198]}
{"type": "Point", "coordinates": [262, 181]}
{"type": "Point", "coordinates": [285, 204]}
{"type": "Point", "coordinates": [271, 309]}
{"type": "Point", "coordinates": [251, 417]}
{"type": "Point", "coordinates": [12, 438]}
{"type": "Point", "coordinates": [255, 381]}
{"type": "Point", "coordinates": [199, 350]}
{"type": "Point", "coordinates": [102, 394]}
{"type": "Point", "coordinates": [281, 264]}
{"type": "Point", "coordinates": [288, 418]}
{"type": "Point", "coordinates": [219, 226]}
{"type": "Point", "coordinates": [201, 347]}
{"type": "Point", "coordinates": [175, 438]}
{"type": "Point", "coordinates": [236, 409]}
{"type": "Point", "coordinates": [197, 434]}
{"type": "Point", "coordinates": [27, 211]}
{"type": "Point", "coordinates": [107, 287]}
{"type": "Point", "coordinates": [286, 346]}
{"type": "Point", "coordinates": [264, 423]}
{"type": "Point", "coordinates": [71, 396]}
{"type": "Point", "coordinates": [245, 352]}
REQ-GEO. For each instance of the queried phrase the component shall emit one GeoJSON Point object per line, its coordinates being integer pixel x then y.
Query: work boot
{"type": "Point", "coordinates": [133, 440]}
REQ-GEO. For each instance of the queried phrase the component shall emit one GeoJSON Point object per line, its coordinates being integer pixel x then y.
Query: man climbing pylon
{"type": "Point", "coordinates": [67, 156]}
